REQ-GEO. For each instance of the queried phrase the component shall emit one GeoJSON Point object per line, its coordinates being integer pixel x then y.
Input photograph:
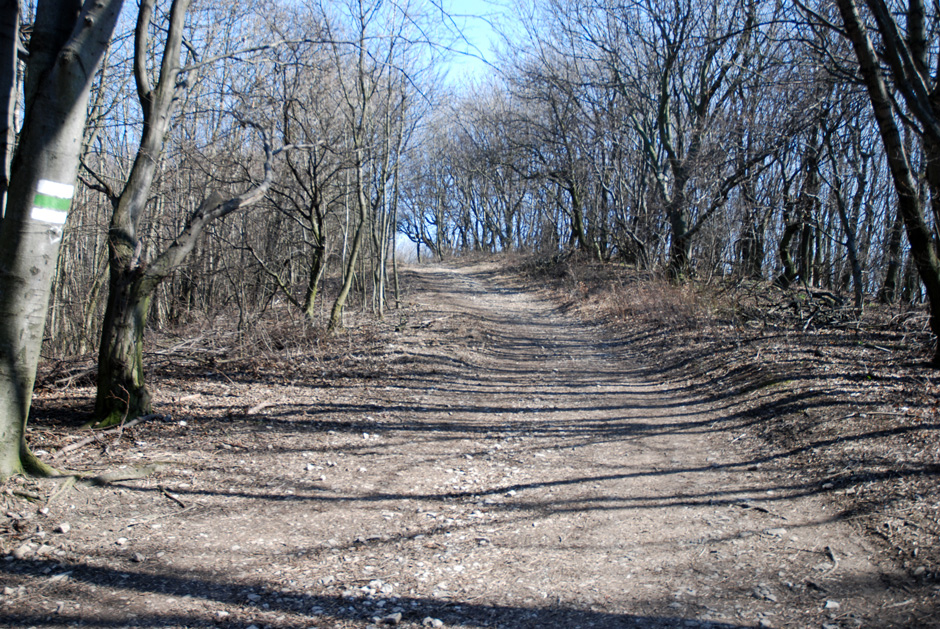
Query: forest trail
{"type": "Point", "coordinates": [508, 467]}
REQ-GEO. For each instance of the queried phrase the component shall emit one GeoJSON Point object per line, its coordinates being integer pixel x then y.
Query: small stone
{"type": "Point", "coordinates": [221, 614]}
{"type": "Point", "coordinates": [63, 528]}
{"type": "Point", "coordinates": [138, 558]}
{"type": "Point", "coordinates": [254, 598]}
{"type": "Point", "coordinates": [920, 571]}
{"type": "Point", "coordinates": [22, 552]}
{"type": "Point", "coordinates": [833, 605]}
{"type": "Point", "coordinates": [392, 619]}
{"type": "Point", "coordinates": [121, 541]}
{"type": "Point", "coordinates": [764, 593]}
{"type": "Point", "coordinates": [8, 591]}
{"type": "Point", "coordinates": [776, 532]}
{"type": "Point", "coordinates": [45, 549]}
{"type": "Point", "coordinates": [252, 627]}
{"type": "Point", "coordinates": [765, 624]}
{"type": "Point", "coordinates": [432, 622]}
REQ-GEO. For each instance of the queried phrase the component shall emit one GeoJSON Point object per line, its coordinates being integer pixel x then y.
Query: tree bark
{"type": "Point", "coordinates": [69, 42]}
{"type": "Point", "coordinates": [122, 392]}
{"type": "Point", "coordinates": [9, 86]}
{"type": "Point", "coordinates": [889, 289]}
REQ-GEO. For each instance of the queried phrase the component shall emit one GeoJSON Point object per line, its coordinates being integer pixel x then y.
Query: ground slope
{"type": "Point", "coordinates": [493, 462]}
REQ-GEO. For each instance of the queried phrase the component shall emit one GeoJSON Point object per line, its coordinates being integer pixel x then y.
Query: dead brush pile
{"type": "Point", "coordinates": [836, 403]}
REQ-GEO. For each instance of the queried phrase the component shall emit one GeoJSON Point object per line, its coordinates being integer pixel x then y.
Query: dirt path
{"type": "Point", "coordinates": [508, 469]}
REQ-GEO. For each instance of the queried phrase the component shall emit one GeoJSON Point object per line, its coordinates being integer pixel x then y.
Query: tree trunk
{"type": "Point", "coordinates": [889, 289]}
{"type": "Point", "coordinates": [122, 393]}
{"type": "Point", "coordinates": [121, 390]}
{"type": "Point", "coordinates": [9, 87]}
{"type": "Point", "coordinates": [789, 274]}
{"type": "Point", "coordinates": [317, 266]}
{"type": "Point", "coordinates": [336, 312]}
{"type": "Point", "coordinates": [68, 48]}
{"type": "Point", "coordinates": [680, 250]}
{"type": "Point", "coordinates": [851, 247]}
{"type": "Point", "coordinates": [751, 242]}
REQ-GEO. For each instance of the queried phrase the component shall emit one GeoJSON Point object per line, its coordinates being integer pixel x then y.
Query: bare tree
{"type": "Point", "coordinates": [905, 53]}
{"type": "Point", "coordinates": [121, 389]}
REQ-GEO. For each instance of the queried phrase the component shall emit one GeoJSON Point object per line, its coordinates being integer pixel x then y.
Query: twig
{"type": "Point", "coordinates": [161, 517]}
{"type": "Point", "coordinates": [172, 497]}
{"type": "Point", "coordinates": [259, 407]}
{"type": "Point", "coordinates": [880, 414]}
{"type": "Point", "coordinates": [834, 559]}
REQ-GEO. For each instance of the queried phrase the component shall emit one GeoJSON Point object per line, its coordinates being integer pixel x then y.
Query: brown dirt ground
{"type": "Point", "coordinates": [480, 458]}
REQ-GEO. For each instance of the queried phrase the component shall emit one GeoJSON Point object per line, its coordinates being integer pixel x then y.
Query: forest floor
{"type": "Point", "coordinates": [488, 457]}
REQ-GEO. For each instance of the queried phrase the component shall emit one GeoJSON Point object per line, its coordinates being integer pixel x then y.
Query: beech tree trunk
{"type": "Point", "coordinates": [68, 42]}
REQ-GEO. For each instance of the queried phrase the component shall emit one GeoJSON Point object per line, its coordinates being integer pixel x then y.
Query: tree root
{"type": "Point", "coordinates": [136, 473]}
{"type": "Point", "coordinates": [33, 466]}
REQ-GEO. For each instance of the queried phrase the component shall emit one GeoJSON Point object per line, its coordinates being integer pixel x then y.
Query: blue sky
{"type": "Point", "coordinates": [476, 19]}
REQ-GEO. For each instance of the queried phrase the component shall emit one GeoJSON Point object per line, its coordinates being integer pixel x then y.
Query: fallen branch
{"type": "Point", "coordinates": [66, 382]}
